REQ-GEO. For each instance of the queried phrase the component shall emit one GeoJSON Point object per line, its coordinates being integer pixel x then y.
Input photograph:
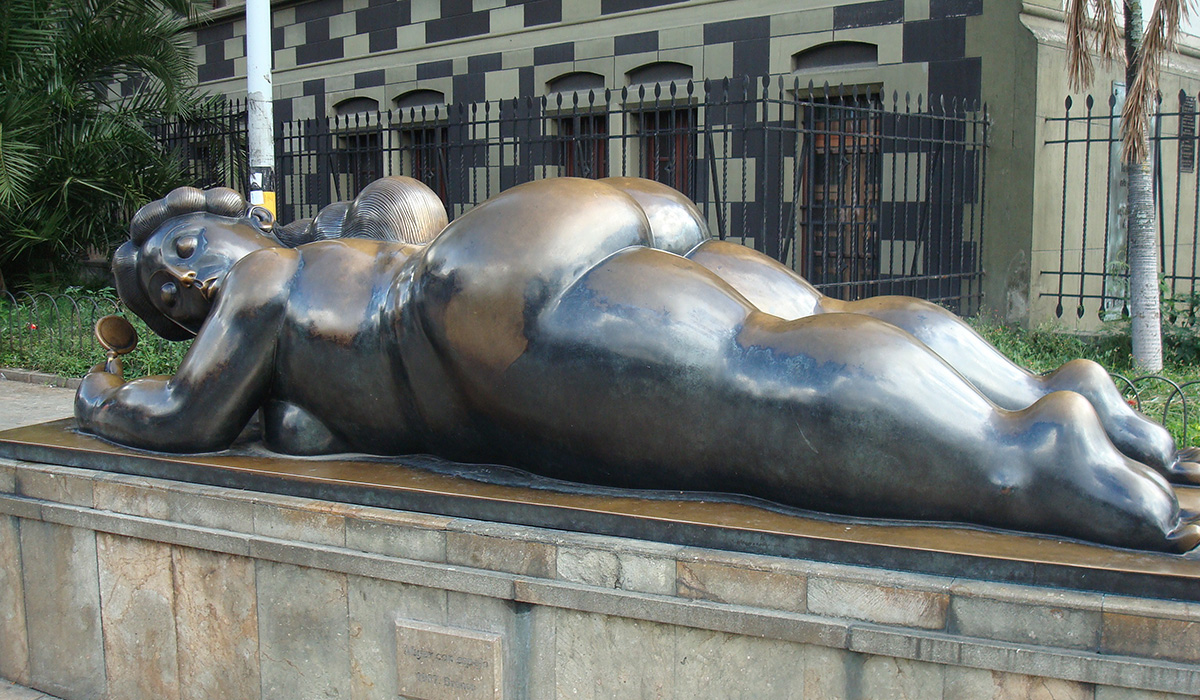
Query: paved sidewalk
{"type": "Point", "coordinates": [23, 404]}
{"type": "Point", "coordinates": [8, 691]}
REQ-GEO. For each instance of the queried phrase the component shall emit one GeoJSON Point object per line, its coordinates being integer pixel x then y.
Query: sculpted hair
{"type": "Point", "coordinates": [180, 201]}
{"type": "Point", "coordinates": [396, 208]}
{"type": "Point", "coordinates": [400, 209]}
{"type": "Point", "coordinates": [185, 200]}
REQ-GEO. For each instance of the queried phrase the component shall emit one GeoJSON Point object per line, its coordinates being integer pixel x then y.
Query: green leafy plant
{"type": "Point", "coordinates": [82, 81]}
{"type": "Point", "coordinates": [52, 333]}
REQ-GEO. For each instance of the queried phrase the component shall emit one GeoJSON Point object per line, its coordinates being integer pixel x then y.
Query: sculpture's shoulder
{"type": "Point", "coordinates": [261, 277]}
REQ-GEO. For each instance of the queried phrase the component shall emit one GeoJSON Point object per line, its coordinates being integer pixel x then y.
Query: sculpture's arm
{"type": "Point", "coordinates": [223, 379]}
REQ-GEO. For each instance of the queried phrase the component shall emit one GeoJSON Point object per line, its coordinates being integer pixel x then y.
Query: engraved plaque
{"type": "Point", "coordinates": [447, 663]}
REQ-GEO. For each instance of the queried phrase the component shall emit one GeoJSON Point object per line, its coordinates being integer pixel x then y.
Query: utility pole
{"type": "Point", "coordinates": [259, 94]}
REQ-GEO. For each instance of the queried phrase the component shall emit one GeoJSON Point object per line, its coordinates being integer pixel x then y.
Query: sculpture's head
{"type": "Point", "coordinates": [180, 249]}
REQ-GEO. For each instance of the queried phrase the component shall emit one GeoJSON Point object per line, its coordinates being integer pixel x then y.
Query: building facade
{"type": "Point", "coordinates": [339, 59]}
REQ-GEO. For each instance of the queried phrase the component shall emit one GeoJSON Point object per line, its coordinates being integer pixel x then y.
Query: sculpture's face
{"type": "Point", "coordinates": [184, 262]}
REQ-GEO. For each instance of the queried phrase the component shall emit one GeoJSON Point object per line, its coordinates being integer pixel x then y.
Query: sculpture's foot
{"type": "Point", "coordinates": [1185, 537]}
{"type": "Point", "coordinates": [1185, 469]}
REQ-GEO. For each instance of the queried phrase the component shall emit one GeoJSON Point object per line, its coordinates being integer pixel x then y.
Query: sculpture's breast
{"type": "Point", "coordinates": [486, 278]}
{"type": "Point", "coordinates": [336, 331]}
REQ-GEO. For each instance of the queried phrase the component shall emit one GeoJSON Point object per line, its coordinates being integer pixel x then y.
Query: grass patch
{"type": "Point", "coordinates": [53, 333]}
{"type": "Point", "coordinates": [1045, 349]}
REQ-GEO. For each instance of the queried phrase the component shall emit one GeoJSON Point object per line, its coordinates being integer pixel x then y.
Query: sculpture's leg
{"type": "Point", "coordinates": [763, 281]}
{"type": "Point", "coordinates": [651, 372]}
{"type": "Point", "coordinates": [1013, 387]}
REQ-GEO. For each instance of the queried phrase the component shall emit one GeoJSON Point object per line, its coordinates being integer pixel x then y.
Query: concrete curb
{"type": "Point", "coordinates": [28, 377]}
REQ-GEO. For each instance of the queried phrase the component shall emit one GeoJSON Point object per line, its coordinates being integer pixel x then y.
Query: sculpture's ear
{"type": "Point", "coordinates": [129, 288]}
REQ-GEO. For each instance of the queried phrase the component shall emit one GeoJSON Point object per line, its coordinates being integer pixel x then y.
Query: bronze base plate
{"type": "Point", "coordinates": [431, 485]}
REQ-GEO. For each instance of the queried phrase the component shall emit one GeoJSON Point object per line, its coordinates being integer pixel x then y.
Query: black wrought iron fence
{"type": "Point", "coordinates": [862, 193]}
{"type": "Point", "coordinates": [55, 333]}
{"type": "Point", "coordinates": [211, 146]}
{"type": "Point", "coordinates": [1091, 274]}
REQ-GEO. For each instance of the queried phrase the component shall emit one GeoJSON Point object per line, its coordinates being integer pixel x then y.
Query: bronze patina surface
{"type": "Point", "coordinates": [427, 484]}
{"type": "Point", "coordinates": [591, 331]}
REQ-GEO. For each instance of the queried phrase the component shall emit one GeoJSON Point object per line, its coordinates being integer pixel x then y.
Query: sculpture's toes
{"type": "Point", "coordinates": [1186, 467]}
{"type": "Point", "coordinates": [1185, 537]}
{"type": "Point", "coordinates": [1188, 454]}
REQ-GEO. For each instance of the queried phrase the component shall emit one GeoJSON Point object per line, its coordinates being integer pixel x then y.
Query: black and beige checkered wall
{"type": "Point", "coordinates": [330, 51]}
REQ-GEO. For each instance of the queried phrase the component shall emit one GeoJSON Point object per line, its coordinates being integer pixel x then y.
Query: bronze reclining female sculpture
{"type": "Point", "coordinates": [591, 331]}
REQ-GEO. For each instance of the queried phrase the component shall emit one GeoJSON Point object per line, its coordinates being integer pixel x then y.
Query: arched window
{"type": "Point", "coordinates": [424, 137]}
{"type": "Point", "coordinates": [579, 81]}
{"type": "Point", "coordinates": [578, 119]}
{"type": "Point", "coordinates": [419, 98]}
{"type": "Point", "coordinates": [355, 105]}
{"type": "Point", "coordinates": [660, 72]}
{"type": "Point", "coordinates": [835, 55]}
{"type": "Point", "coordinates": [841, 173]}
{"type": "Point", "coordinates": [358, 155]}
{"type": "Point", "coordinates": [667, 129]}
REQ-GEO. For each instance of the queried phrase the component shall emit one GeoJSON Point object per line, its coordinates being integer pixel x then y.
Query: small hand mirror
{"type": "Point", "coordinates": [116, 335]}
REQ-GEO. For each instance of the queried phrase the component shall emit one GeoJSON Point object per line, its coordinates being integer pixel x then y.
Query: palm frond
{"type": "Point", "coordinates": [1095, 32]}
{"type": "Point", "coordinates": [1159, 40]}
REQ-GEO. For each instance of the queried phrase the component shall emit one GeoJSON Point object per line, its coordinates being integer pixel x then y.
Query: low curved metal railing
{"type": "Point", "coordinates": [62, 322]}
{"type": "Point", "coordinates": [40, 328]}
{"type": "Point", "coordinates": [1130, 389]}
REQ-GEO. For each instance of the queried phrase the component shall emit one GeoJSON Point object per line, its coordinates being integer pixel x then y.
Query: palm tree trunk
{"type": "Point", "coordinates": [1143, 243]}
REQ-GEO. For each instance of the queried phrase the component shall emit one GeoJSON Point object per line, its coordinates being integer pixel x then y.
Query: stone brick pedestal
{"type": "Point", "coordinates": [116, 586]}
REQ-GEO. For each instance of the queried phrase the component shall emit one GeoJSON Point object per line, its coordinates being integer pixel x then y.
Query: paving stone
{"type": "Point", "coordinates": [541, 623]}
{"type": "Point", "coordinates": [979, 684]}
{"type": "Point", "coordinates": [130, 495]}
{"type": "Point", "coordinates": [486, 614]}
{"type": "Point", "coordinates": [14, 647]}
{"type": "Point", "coordinates": [1153, 637]}
{"type": "Point", "coordinates": [55, 484]}
{"type": "Point", "coordinates": [1030, 624]}
{"type": "Point", "coordinates": [646, 574]}
{"type": "Point", "coordinates": [137, 607]}
{"type": "Point", "coordinates": [374, 607]}
{"type": "Point", "coordinates": [8, 477]}
{"type": "Point", "coordinates": [299, 524]}
{"type": "Point", "coordinates": [216, 625]}
{"type": "Point", "coordinates": [1108, 692]}
{"type": "Point", "coordinates": [825, 672]}
{"type": "Point", "coordinates": [304, 648]}
{"type": "Point", "coordinates": [590, 566]}
{"type": "Point", "coordinates": [206, 507]}
{"type": "Point", "coordinates": [601, 656]}
{"type": "Point", "coordinates": [501, 554]}
{"type": "Point", "coordinates": [740, 586]}
{"type": "Point", "coordinates": [37, 403]}
{"type": "Point", "coordinates": [719, 665]}
{"type": "Point", "coordinates": [395, 540]}
{"type": "Point", "coordinates": [8, 691]}
{"type": "Point", "coordinates": [883, 604]}
{"type": "Point", "coordinates": [66, 652]}
{"type": "Point", "coordinates": [887, 678]}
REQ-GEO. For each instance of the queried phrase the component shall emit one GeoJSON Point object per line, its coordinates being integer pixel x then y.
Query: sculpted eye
{"type": "Point", "coordinates": [169, 293]}
{"type": "Point", "coordinates": [186, 245]}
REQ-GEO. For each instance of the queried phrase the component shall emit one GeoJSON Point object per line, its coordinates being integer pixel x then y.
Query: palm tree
{"type": "Point", "coordinates": [1092, 27]}
{"type": "Point", "coordinates": [80, 80]}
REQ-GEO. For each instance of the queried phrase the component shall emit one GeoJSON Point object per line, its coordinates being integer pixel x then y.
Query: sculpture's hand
{"type": "Point", "coordinates": [221, 381]}
{"type": "Point", "coordinates": [98, 385]}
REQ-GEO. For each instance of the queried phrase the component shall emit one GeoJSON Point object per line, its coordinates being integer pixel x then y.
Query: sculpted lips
{"type": "Point", "coordinates": [207, 287]}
